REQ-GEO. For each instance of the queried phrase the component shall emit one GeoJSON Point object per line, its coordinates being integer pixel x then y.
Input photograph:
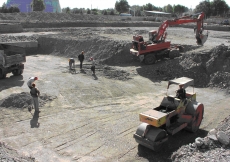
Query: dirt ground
{"type": "Point", "coordinates": [93, 118]}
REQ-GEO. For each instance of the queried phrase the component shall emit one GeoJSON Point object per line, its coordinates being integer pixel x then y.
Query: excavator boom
{"type": "Point", "coordinates": [157, 47]}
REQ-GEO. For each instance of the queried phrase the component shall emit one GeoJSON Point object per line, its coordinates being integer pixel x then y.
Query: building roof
{"type": "Point", "coordinates": [158, 12]}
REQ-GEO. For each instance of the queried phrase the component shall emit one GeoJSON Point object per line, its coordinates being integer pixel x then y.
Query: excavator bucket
{"type": "Point", "coordinates": [201, 39]}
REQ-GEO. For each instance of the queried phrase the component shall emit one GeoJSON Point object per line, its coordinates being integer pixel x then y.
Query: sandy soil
{"type": "Point", "coordinates": [93, 118]}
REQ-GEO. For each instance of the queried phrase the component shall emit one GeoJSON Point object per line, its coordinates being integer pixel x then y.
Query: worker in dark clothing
{"type": "Point", "coordinates": [81, 58]}
{"type": "Point", "coordinates": [71, 63]}
{"type": "Point", "coordinates": [181, 93]}
{"type": "Point", "coordinates": [93, 66]}
{"type": "Point", "coordinates": [35, 93]}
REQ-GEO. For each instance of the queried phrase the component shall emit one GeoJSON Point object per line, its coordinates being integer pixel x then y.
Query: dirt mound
{"type": "Point", "coordinates": [118, 74]}
{"type": "Point", "coordinates": [23, 100]}
{"type": "Point", "coordinates": [209, 150]}
{"type": "Point", "coordinates": [210, 68]}
{"type": "Point", "coordinates": [5, 38]}
{"type": "Point", "coordinates": [104, 50]}
{"type": "Point", "coordinates": [8, 154]}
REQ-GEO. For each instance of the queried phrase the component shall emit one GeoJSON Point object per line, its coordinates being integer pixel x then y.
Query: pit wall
{"type": "Point", "coordinates": [10, 28]}
{"type": "Point", "coordinates": [114, 24]}
{"type": "Point", "coordinates": [109, 52]}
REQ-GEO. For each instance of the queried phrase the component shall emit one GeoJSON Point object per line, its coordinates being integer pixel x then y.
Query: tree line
{"type": "Point", "coordinates": [211, 8]}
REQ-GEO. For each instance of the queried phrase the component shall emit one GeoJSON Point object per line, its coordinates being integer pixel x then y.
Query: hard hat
{"type": "Point", "coordinates": [36, 78]}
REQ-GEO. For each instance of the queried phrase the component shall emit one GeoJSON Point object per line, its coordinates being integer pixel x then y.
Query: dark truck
{"type": "Point", "coordinates": [12, 59]}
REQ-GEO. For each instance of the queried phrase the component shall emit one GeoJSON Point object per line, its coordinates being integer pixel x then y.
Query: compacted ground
{"type": "Point", "coordinates": [87, 117]}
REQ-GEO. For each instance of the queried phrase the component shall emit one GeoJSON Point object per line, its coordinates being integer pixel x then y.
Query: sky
{"type": "Point", "coordinates": [104, 4]}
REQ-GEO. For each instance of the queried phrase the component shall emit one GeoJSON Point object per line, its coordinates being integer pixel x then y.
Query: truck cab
{"type": "Point", "coordinates": [12, 59]}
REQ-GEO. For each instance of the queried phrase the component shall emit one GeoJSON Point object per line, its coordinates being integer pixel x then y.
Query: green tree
{"type": "Point", "coordinates": [112, 12]}
{"type": "Point", "coordinates": [88, 11]}
{"type": "Point", "coordinates": [148, 7]}
{"type": "Point", "coordinates": [168, 8]}
{"type": "Point", "coordinates": [13, 9]}
{"type": "Point", "coordinates": [4, 8]}
{"type": "Point", "coordinates": [204, 6]}
{"type": "Point", "coordinates": [66, 10]}
{"type": "Point", "coordinates": [104, 12]}
{"type": "Point", "coordinates": [122, 6]}
{"type": "Point", "coordinates": [179, 9]}
{"type": "Point", "coordinates": [95, 11]}
{"type": "Point", "coordinates": [219, 7]}
{"type": "Point", "coordinates": [38, 5]}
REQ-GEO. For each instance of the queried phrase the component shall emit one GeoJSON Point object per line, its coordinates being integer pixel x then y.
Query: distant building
{"type": "Point", "coordinates": [24, 5]}
{"type": "Point", "coordinates": [156, 13]}
{"type": "Point", "coordinates": [125, 14]}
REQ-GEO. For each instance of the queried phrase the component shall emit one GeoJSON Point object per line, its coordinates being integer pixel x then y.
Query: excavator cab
{"type": "Point", "coordinates": [152, 35]}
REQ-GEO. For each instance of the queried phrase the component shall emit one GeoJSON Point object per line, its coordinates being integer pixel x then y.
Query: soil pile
{"type": "Point", "coordinates": [23, 100]}
{"type": "Point", "coordinates": [210, 68]}
{"type": "Point", "coordinates": [8, 154]}
{"type": "Point", "coordinates": [5, 38]}
{"type": "Point", "coordinates": [206, 149]}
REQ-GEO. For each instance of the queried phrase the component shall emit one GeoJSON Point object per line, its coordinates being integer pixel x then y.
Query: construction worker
{"type": "Point", "coordinates": [181, 93]}
{"type": "Point", "coordinates": [93, 66]}
{"type": "Point", "coordinates": [81, 58]}
{"type": "Point", "coordinates": [31, 81]}
{"type": "Point", "coordinates": [35, 93]}
{"type": "Point", "coordinates": [71, 63]}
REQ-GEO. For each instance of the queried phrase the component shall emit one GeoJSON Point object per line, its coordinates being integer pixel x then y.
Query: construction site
{"type": "Point", "coordinates": [95, 118]}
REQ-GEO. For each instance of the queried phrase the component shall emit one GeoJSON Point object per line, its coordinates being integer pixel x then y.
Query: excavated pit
{"type": "Point", "coordinates": [209, 67]}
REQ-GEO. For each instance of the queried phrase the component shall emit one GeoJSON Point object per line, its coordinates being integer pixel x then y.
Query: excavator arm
{"type": "Point", "coordinates": [157, 36]}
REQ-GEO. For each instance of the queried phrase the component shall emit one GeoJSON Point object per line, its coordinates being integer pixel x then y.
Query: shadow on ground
{"type": "Point", "coordinates": [173, 144]}
{"type": "Point", "coordinates": [12, 81]}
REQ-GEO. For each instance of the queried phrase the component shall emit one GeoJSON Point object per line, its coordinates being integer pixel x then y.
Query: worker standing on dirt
{"type": "Point", "coordinates": [81, 58]}
{"type": "Point", "coordinates": [35, 93]}
{"type": "Point", "coordinates": [93, 65]}
{"type": "Point", "coordinates": [31, 81]}
{"type": "Point", "coordinates": [181, 93]}
{"type": "Point", "coordinates": [71, 63]}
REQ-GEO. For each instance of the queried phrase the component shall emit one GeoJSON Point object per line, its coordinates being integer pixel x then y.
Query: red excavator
{"type": "Point", "coordinates": [157, 47]}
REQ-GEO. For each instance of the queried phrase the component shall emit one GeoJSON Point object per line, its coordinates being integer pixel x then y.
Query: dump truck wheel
{"type": "Point", "coordinates": [2, 75]}
{"type": "Point", "coordinates": [173, 54]}
{"type": "Point", "coordinates": [150, 59]}
{"type": "Point", "coordinates": [150, 136]}
{"type": "Point", "coordinates": [17, 72]}
{"type": "Point", "coordinates": [197, 111]}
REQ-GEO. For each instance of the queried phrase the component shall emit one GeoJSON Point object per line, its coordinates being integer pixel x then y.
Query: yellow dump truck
{"type": "Point", "coordinates": [12, 59]}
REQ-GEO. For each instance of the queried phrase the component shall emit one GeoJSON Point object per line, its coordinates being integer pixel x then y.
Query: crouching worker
{"type": "Point", "coordinates": [93, 66]}
{"type": "Point", "coordinates": [71, 63]}
{"type": "Point", "coordinates": [31, 81]}
{"type": "Point", "coordinates": [35, 93]}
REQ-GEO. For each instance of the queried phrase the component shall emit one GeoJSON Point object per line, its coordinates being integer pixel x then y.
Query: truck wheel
{"type": "Point", "coordinates": [197, 111]}
{"type": "Point", "coordinates": [173, 54]}
{"type": "Point", "coordinates": [17, 72]}
{"type": "Point", "coordinates": [150, 59]}
{"type": "Point", "coordinates": [2, 75]}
